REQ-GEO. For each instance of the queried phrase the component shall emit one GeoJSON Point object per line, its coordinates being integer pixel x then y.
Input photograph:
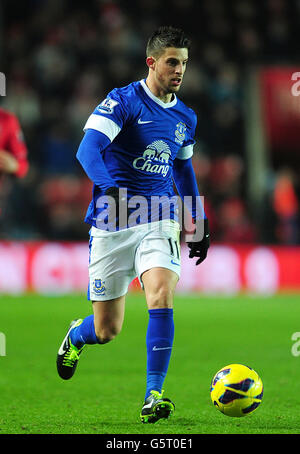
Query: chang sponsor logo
{"type": "Point", "coordinates": [155, 158]}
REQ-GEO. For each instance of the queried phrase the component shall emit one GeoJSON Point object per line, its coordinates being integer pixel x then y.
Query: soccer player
{"type": "Point", "coordinates": [139, 139]}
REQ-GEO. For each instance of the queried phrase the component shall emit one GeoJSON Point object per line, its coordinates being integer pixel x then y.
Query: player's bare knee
{"type": "Point", "coordinates": [106, 334]}
{"type": "Point", "coordinates": [160, 298]}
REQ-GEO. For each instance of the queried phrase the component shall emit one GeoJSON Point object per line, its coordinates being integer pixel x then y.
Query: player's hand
{"type": "Point", "coordinates": [200, 248]}
{"type": "Point", "coordinates": [114, 193]}
{"type": "Point", "coordinates": [8, 163]}
{"type": "Point", "coordinates": [121, 206]}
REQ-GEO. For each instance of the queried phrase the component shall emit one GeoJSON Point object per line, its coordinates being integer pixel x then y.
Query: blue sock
{"type": "Point", "coordinates": [84, 333]}
{"type": "Point", "coordinates": [159, 341]}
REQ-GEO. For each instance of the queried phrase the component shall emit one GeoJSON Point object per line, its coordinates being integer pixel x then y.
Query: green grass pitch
{"type": "Point", "coordinates": [107, 391]}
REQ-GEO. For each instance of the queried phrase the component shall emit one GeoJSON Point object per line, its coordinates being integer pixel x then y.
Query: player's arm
{"type": "Point", "coordinates": [101, 128]}
{"type": "Point", "coordinates": [186, 184]}
{"type": "Point", "coordinates": [13, 159]}
{"type": "Point", "coordinates": [90, 158]}
{"type": "Point", "coordinates": [8, 163]}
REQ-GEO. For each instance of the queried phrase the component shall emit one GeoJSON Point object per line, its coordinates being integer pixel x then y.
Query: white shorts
{"type": "Point", "coordinates": [116, 258]}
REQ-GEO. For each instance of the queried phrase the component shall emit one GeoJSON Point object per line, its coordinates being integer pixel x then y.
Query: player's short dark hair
{"type": "Point", "coordinates": [166, 36]}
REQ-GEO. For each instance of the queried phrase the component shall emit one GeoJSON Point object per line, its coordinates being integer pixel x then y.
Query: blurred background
{"type": "Point", "coordinates": [60, 59]}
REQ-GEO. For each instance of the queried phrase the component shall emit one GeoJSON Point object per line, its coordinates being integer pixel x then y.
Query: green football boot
{"type": "Point", "coordinates": [155, 408]}
{"type": "Point", "coordinates": [68, 354]}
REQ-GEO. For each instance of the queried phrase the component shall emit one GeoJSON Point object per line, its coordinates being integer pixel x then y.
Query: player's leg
{"type": "Point", "coordinates": [158, 268]}
{"type": "Point", "coordinates": [110, 273]}
{"type": "Point", "coordinates": [108, 318]}
{"type": "Point", "coordinates": [159, 285]}
{"type": "Point", "coordinates": [98, 328]}
{"type": "Point", "coordinates": [101, 326]}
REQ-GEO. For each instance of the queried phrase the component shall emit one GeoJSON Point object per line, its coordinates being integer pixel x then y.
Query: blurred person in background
{"type": "Point", "coordinates": [13, 159]}
{"type": "Point", "coordinates": [286, 208]}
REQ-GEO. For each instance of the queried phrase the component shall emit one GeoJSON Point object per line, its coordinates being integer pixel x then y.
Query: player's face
{"type": "Point", "coordinates": [169, 69]}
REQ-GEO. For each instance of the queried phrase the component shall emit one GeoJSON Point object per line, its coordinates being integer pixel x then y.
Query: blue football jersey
{"type": "Point", "coordinates": [146, 135]}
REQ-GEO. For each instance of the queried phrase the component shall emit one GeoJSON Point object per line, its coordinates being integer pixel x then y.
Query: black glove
{"type": "Point", "coordinates": [199, 248]}
{"type": "Point", "coordinates": [120, 203]}
{"type": "Point", "coordinates": [114, 193]}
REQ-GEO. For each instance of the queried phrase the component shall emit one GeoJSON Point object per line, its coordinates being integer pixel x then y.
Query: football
{"type": "Point", "coordinates": [236, 390]}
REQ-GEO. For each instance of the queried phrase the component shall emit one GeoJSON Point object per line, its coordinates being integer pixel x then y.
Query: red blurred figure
{"type": "Point", "coordinates": [286, 207]}
{"type": "Point", "coordinates": [13, 153]}
{"type": "Point", "coordinates": [235, 226]}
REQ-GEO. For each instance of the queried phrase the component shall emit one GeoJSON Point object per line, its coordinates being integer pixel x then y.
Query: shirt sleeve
{"type": "Point", "coordinates": [187, 187]}
{"type": "Point", "coordinates": [16, 146]}
{"type": "Point", "coordinates": [109, 116]}
{"type": "Point", "coordinates": [90, 158]}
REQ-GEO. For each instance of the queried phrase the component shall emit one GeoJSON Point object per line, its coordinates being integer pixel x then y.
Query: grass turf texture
{"type": "Point", "coordinates": [107, 391]}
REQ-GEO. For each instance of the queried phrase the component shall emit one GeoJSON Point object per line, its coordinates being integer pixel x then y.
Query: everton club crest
{"type": "Point", "coordinates": [180, 133]}
{"type": "Point", "coordinates": [99, 287]}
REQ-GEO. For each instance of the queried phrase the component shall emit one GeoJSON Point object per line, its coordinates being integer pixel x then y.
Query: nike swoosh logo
{"type": "Point", "coordinates": [154, 349]}
{"type": "Point", "coordinates": [174, 263]}
{"type": "Point", "coordinates": [61, 350]}
{"type": "Point", "coordinates": [148, 405]}
{"type": "Point", "coordinates": [141, 122]}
